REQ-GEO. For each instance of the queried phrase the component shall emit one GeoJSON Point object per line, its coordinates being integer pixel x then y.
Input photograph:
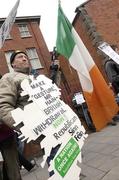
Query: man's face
{"type": "Point", "coordinates": [21, 61]}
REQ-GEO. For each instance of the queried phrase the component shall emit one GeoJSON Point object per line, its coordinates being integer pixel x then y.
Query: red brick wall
{"type": "Point", "coordinates": [71, 79]}
{"type": "Point", "coordinates": [105, 14]}
{"type": "Point", "coordinates": [87, 40]}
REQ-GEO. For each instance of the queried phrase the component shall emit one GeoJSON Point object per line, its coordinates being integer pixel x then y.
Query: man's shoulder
{"type": "Point", "coordinates": [109, 62]}
{"type": "Point", "coordinates": [10, 74]}
{"type": "Point", "coordinates": [14, 76]}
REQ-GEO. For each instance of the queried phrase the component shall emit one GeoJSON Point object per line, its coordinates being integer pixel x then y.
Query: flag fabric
{"type": "Point", "coordinates": [7, 25]}
{"type": "Point", "coordinates": [99, 97]}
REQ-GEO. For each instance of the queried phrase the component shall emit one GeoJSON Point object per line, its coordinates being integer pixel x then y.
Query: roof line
{"type": "Point", "coordinates": [82, 5]}
{"type": "Point", "coordinates": [36, 17]}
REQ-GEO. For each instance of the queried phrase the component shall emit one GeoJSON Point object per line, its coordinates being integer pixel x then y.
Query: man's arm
{"type": "Point", "coordinates": [111, 71]}
{"type": "Point", "coordinates": [8, 98]}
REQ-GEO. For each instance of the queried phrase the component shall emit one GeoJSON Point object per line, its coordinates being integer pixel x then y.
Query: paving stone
{"type": "Point", "coordinates": [110, 164]}
{"type": "Point", "coordinates": [89, 156]}
{"type": "Point", "coordinates": [112, 175]}
{"type": "Point", "coordinates": [99, 160]}
{"type": "Point", "coordinates": [110, 149]}
{"type": "Point", "coordinates": [91, 172]}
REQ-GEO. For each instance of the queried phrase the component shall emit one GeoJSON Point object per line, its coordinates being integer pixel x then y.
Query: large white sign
{"type": "Point", "coordinates": [106, 48]}
{"type": "Point", "coordinates": [47, 114]}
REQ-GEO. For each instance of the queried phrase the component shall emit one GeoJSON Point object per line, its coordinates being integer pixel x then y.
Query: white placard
{"type": "Point", "coordinates": [106, 48]}
{"type": "Point", "coordinates": [79, 98]}
{"type": "Point", "coordinates": [50, 116]}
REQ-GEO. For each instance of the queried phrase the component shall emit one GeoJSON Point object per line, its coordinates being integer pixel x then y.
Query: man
{"type": "Point", "coordinates": [112, 71]}
{"type": "Point", "coordinates": [55, 68]}
{"type": "Point", "coordinates": [10, 99]}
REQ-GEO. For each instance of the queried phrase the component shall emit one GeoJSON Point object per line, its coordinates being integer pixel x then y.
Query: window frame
{"type": "Point", "coordinates": [33, 57]}
{"type": "Point", "coordinates": [24, 33]}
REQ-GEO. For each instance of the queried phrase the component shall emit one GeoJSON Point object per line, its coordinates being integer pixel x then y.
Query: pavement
{"type": "Point", "coordinates": [100, 157]}
{"type": "Point", "coordinates": [38, 173]}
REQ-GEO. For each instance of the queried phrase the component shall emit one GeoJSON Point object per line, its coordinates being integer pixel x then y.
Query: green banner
{"type": "Point", "coordinates": [65, 159]}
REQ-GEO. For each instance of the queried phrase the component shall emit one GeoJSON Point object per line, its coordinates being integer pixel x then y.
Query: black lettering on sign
{"type": "Point", "coordinates": [47, 96]}
{"type": "Point", "coordinates": [78, 135]}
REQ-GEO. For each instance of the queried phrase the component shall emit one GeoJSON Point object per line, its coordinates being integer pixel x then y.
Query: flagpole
{"type": "Point", "coordinates": [8, 23]}
{"type": "Point", "coordinates": [59, 2]}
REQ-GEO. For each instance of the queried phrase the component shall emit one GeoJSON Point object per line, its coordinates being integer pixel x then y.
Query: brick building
{"type": "Point", "coordinates": [97, 21]}
{"type": "Point", "coordinates": [26, 35]}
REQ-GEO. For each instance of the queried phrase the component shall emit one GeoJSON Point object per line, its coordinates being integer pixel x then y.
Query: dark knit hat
{"type": "Point", "coordinates": [14, 54]}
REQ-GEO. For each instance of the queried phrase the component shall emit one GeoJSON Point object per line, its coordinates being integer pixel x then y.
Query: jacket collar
{"type": "Point", "coordinates": [24, 71]}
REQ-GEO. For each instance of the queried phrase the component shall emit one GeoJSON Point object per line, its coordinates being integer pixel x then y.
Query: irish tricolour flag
{"type": "Point", "coordinates": [99, 98]}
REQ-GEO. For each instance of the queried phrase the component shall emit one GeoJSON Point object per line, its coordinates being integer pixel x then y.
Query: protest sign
{"type": "Point", "coordinates": [106, 48]}
{"type": "Point", "coordinates": [48, 115]}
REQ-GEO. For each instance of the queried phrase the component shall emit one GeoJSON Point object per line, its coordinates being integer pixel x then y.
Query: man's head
{"type": "Point", "coordinates": [19, 60]}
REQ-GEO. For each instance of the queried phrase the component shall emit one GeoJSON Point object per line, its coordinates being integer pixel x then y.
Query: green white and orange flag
{"type": "Point", "coordinates": [99, 97]}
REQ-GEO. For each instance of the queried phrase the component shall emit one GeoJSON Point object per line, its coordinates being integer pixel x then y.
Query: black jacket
{"type": "Point", "coordinates": [112, 71]}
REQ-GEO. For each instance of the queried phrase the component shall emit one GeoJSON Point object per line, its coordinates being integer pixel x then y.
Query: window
{"type": "Point", "coordinates": [9, 37]}
{"type": "Point", "coordinates": [24, 32]}
{"type": "Point", "coordinates": [7, 55]}
{"type": "Point", "coordinates": [34, 59]}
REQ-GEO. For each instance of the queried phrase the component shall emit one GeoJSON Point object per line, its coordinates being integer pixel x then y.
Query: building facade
{"type": "Point", "coordinates": [26, 35]}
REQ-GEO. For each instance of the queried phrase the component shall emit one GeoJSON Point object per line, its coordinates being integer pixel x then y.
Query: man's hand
{"type": "Point", "coordinates": [17, 128]}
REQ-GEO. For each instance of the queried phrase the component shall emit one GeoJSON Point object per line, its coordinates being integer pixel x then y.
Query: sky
{"type": "Point", "coordinates": [47, 9]}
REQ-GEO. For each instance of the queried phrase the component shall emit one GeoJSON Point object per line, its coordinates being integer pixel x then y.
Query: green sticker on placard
{"type": "Point", "coordinates": [65, 159]}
